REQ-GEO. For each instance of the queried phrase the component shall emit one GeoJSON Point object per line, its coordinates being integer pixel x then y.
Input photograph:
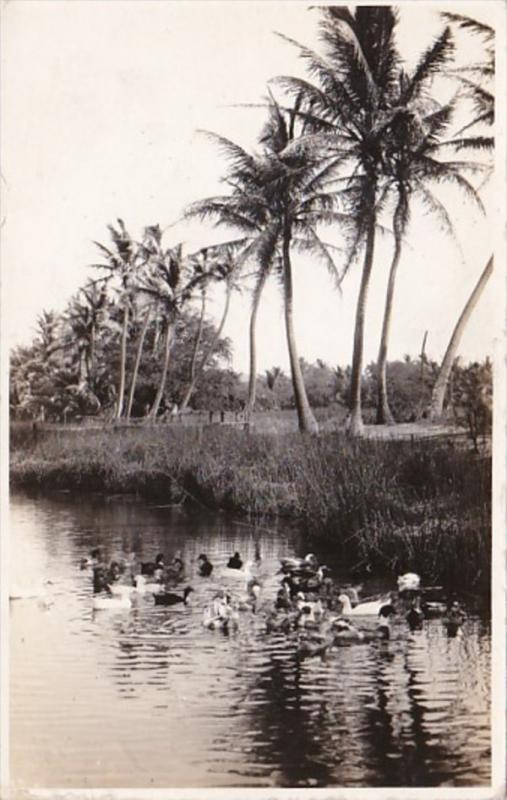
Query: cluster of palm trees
{"type": "Point", "coordinates": [350, 148]}
{"type": "Point", "coordinates": [354, 144]}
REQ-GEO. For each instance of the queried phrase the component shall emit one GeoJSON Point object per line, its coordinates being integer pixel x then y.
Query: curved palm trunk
{"type": "Point", "coordinates": [438, 396]}
{"type": "Point", "coordinates": [137, 363]}
{"type": "Point", "coordinates": [306, 418]}
{"type": "Point", "coordinates": [356, 419]}
{"type": "Point", "coordinates": [169, 336]}
{"type": "Point", "coordinates": [384, 414]}
{"type": "Point", "coordinates": [123, 361]}
{"type": "Point", "coordinates": [252, 378]}
{"type": "Point", "coordinates": [209, 352]}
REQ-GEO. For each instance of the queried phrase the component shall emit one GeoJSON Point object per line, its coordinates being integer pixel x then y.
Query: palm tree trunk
{"type": "Point", "coordinates": [306, 419]}
{"type": "Point", "coordinates": [211, 349]}
{"type": "Point", "coordinates": [193, 363]}
{"type": "Point", "coordinates": [438, 396]}
{"type": "Point", "coordinates": [252, 378]}
{"type": "Point", "coordinates": [384, 415]}
{"type": "Point", "coordinates": [123, 361]}
{"type": "Point", "coordinates": [356, 420]}
{"type": "Point", "coordinates": [137, 363]}
{"type": "Point", "coordinates": [169, 336]}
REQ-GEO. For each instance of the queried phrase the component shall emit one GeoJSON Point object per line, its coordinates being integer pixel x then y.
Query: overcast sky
{"type": "Point", "coordinates": [101, 102]}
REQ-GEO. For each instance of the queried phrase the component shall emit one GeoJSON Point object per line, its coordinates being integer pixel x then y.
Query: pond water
{"type": "Point", "coordinates": [147, 697]}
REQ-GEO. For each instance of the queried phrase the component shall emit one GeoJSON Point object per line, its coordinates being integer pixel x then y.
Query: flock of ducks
{"type": "Point", "coordinates": [308, 600]}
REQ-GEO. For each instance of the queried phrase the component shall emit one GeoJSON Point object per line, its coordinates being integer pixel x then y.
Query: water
{"type": "Point", "coordinates": [147, 697]}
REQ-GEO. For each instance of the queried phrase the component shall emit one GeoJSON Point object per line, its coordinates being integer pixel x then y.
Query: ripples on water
{"type": "Point", "coordinates": [148, 697]}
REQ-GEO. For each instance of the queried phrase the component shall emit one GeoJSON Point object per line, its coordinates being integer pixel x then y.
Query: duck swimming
{"type": "Point", "coordinates": [307, 564]}
{"type": "Point", "coordinates": [235, 562]}
{"type": "Point", "coordinates": [104, 603]}
{"type": "Point", "coordinates": [170, 599]}
{"type": "Point", "coordinates": [454, 619]}
{"type": "Point", "coordinates": [366, 609]}
{"type": "Point", "coordinates": [205, 567]}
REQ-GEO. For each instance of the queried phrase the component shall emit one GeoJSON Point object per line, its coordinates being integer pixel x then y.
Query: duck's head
{"type": "Point", "coordinates": [186, 593]}
{"type": "Point", "coordinates": [310, 558]}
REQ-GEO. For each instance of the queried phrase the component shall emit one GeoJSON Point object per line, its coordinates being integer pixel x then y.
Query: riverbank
{"type": "Point", "coordinates": [418, 505]}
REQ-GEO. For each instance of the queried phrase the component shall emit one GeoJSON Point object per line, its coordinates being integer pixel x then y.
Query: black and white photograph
{"type": "Point", "coordinates": [252, 399]}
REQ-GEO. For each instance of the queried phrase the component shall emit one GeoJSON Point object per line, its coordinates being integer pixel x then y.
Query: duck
{"type": "Point", "coordinates": [243, 574]}
{"type": "Point", "coordinates": [143, 587]}
{"type": "Point", "coordinates": [104, 603]}
{"type": "Point", "coordinates": [409, 582]}
{"type": "Point", "coordinates": [170, 599]}
{"type": "Point", "coordinates": [149, 567]}
{"type": "Point", "coordinates": [278, 622]}
{"type": "Point", "coordinates": [307, 648]}
{"type": "Point", "coordinates": [92, 560]}
{"type": "Point", "coordinates": [434, 608]}
{"type": "Point", "coordinates": [205, 567]}
{"type": "Point", "coordinates": [415, 615]}
{"type": "Point", "coordinates": [365, 609]}
{"type": "Point", "coordinates": [235, 562]}
{"type": "Point", "coordinates": [220, 614]}
{"type": "Point", "coordinates": [37, 591]}
{"type": "Point", "coordinates": [308, 563]}
{"type": "Point", "coordinates": [454, 619]}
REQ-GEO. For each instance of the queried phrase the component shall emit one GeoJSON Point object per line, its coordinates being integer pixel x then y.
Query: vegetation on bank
{"type": "Point", "coordinates": [395, 505]}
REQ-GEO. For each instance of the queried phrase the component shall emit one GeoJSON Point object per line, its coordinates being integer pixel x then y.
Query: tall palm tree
{"type": "Point", "coordinates": [475, 80]}
{"type": "Point", "coordinates": [259, 234]}
{"type": "Point", "coordinates": [412, 167]}
{"type": "Point", "coordinates": [350, 109]}
{"type": "Point", "coordinates": [121, 262]}
{"type": "Point", "coordinates": [279, 199]}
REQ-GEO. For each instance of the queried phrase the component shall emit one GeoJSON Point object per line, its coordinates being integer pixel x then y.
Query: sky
{"type": "Point", "coordinates": [102, 104]}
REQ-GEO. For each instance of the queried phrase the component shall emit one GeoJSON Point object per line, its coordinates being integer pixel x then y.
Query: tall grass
{"type": "Point", "coordinates": [397, 505]}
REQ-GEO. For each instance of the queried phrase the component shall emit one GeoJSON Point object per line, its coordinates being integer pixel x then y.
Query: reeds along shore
{"type": "Point", "coordinates": [396, 505]}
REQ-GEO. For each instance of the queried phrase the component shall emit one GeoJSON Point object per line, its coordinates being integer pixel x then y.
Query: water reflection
{"type": "Point", "coordinates": [206, 709]}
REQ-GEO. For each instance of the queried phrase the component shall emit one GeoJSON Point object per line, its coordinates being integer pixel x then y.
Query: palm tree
{"type": "Point", "coordinates": [236, 210]}
{"type": "Point", "coordinates": [199, 263]}
{"type": "Point", "coordinates": [223, 269]}
{"type": "Point", "coordinates": [84, 316]}
{"type": "Point", "coordinates": [411, 167]}
{"type": "Point", "coordinates": [475, 80]}
{"type": "Point", "coordinates": [278, 198]}
{"type": "Point", "coordinates": [171, 283]}
{"type": "Point", "coordinates": [350, 111]}
{"type": "Point", "coordinates": [121, 264]}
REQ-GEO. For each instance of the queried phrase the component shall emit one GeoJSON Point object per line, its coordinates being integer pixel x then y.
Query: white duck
{"type": "Point", "coordinates": [143, 587]}
{"type": "Point", "coordinates": [104, 603]}
{"type": "Point", "coordinates": [366, 609]}
{"type": "Point", "coordinates": [409, 582]}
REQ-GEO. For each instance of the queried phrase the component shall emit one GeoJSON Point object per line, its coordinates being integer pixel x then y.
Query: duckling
{"type": "Point", "coordinates": [170, 599]}
{"type": "Point", "coordinates": [205, 567]}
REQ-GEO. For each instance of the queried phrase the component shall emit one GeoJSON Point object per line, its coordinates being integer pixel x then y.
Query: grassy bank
{"type": "Point", "coordinates": [400, 505]}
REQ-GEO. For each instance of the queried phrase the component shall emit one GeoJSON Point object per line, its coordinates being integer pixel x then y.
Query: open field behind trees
{"type": "Point", "coordinates": [395, 505]}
